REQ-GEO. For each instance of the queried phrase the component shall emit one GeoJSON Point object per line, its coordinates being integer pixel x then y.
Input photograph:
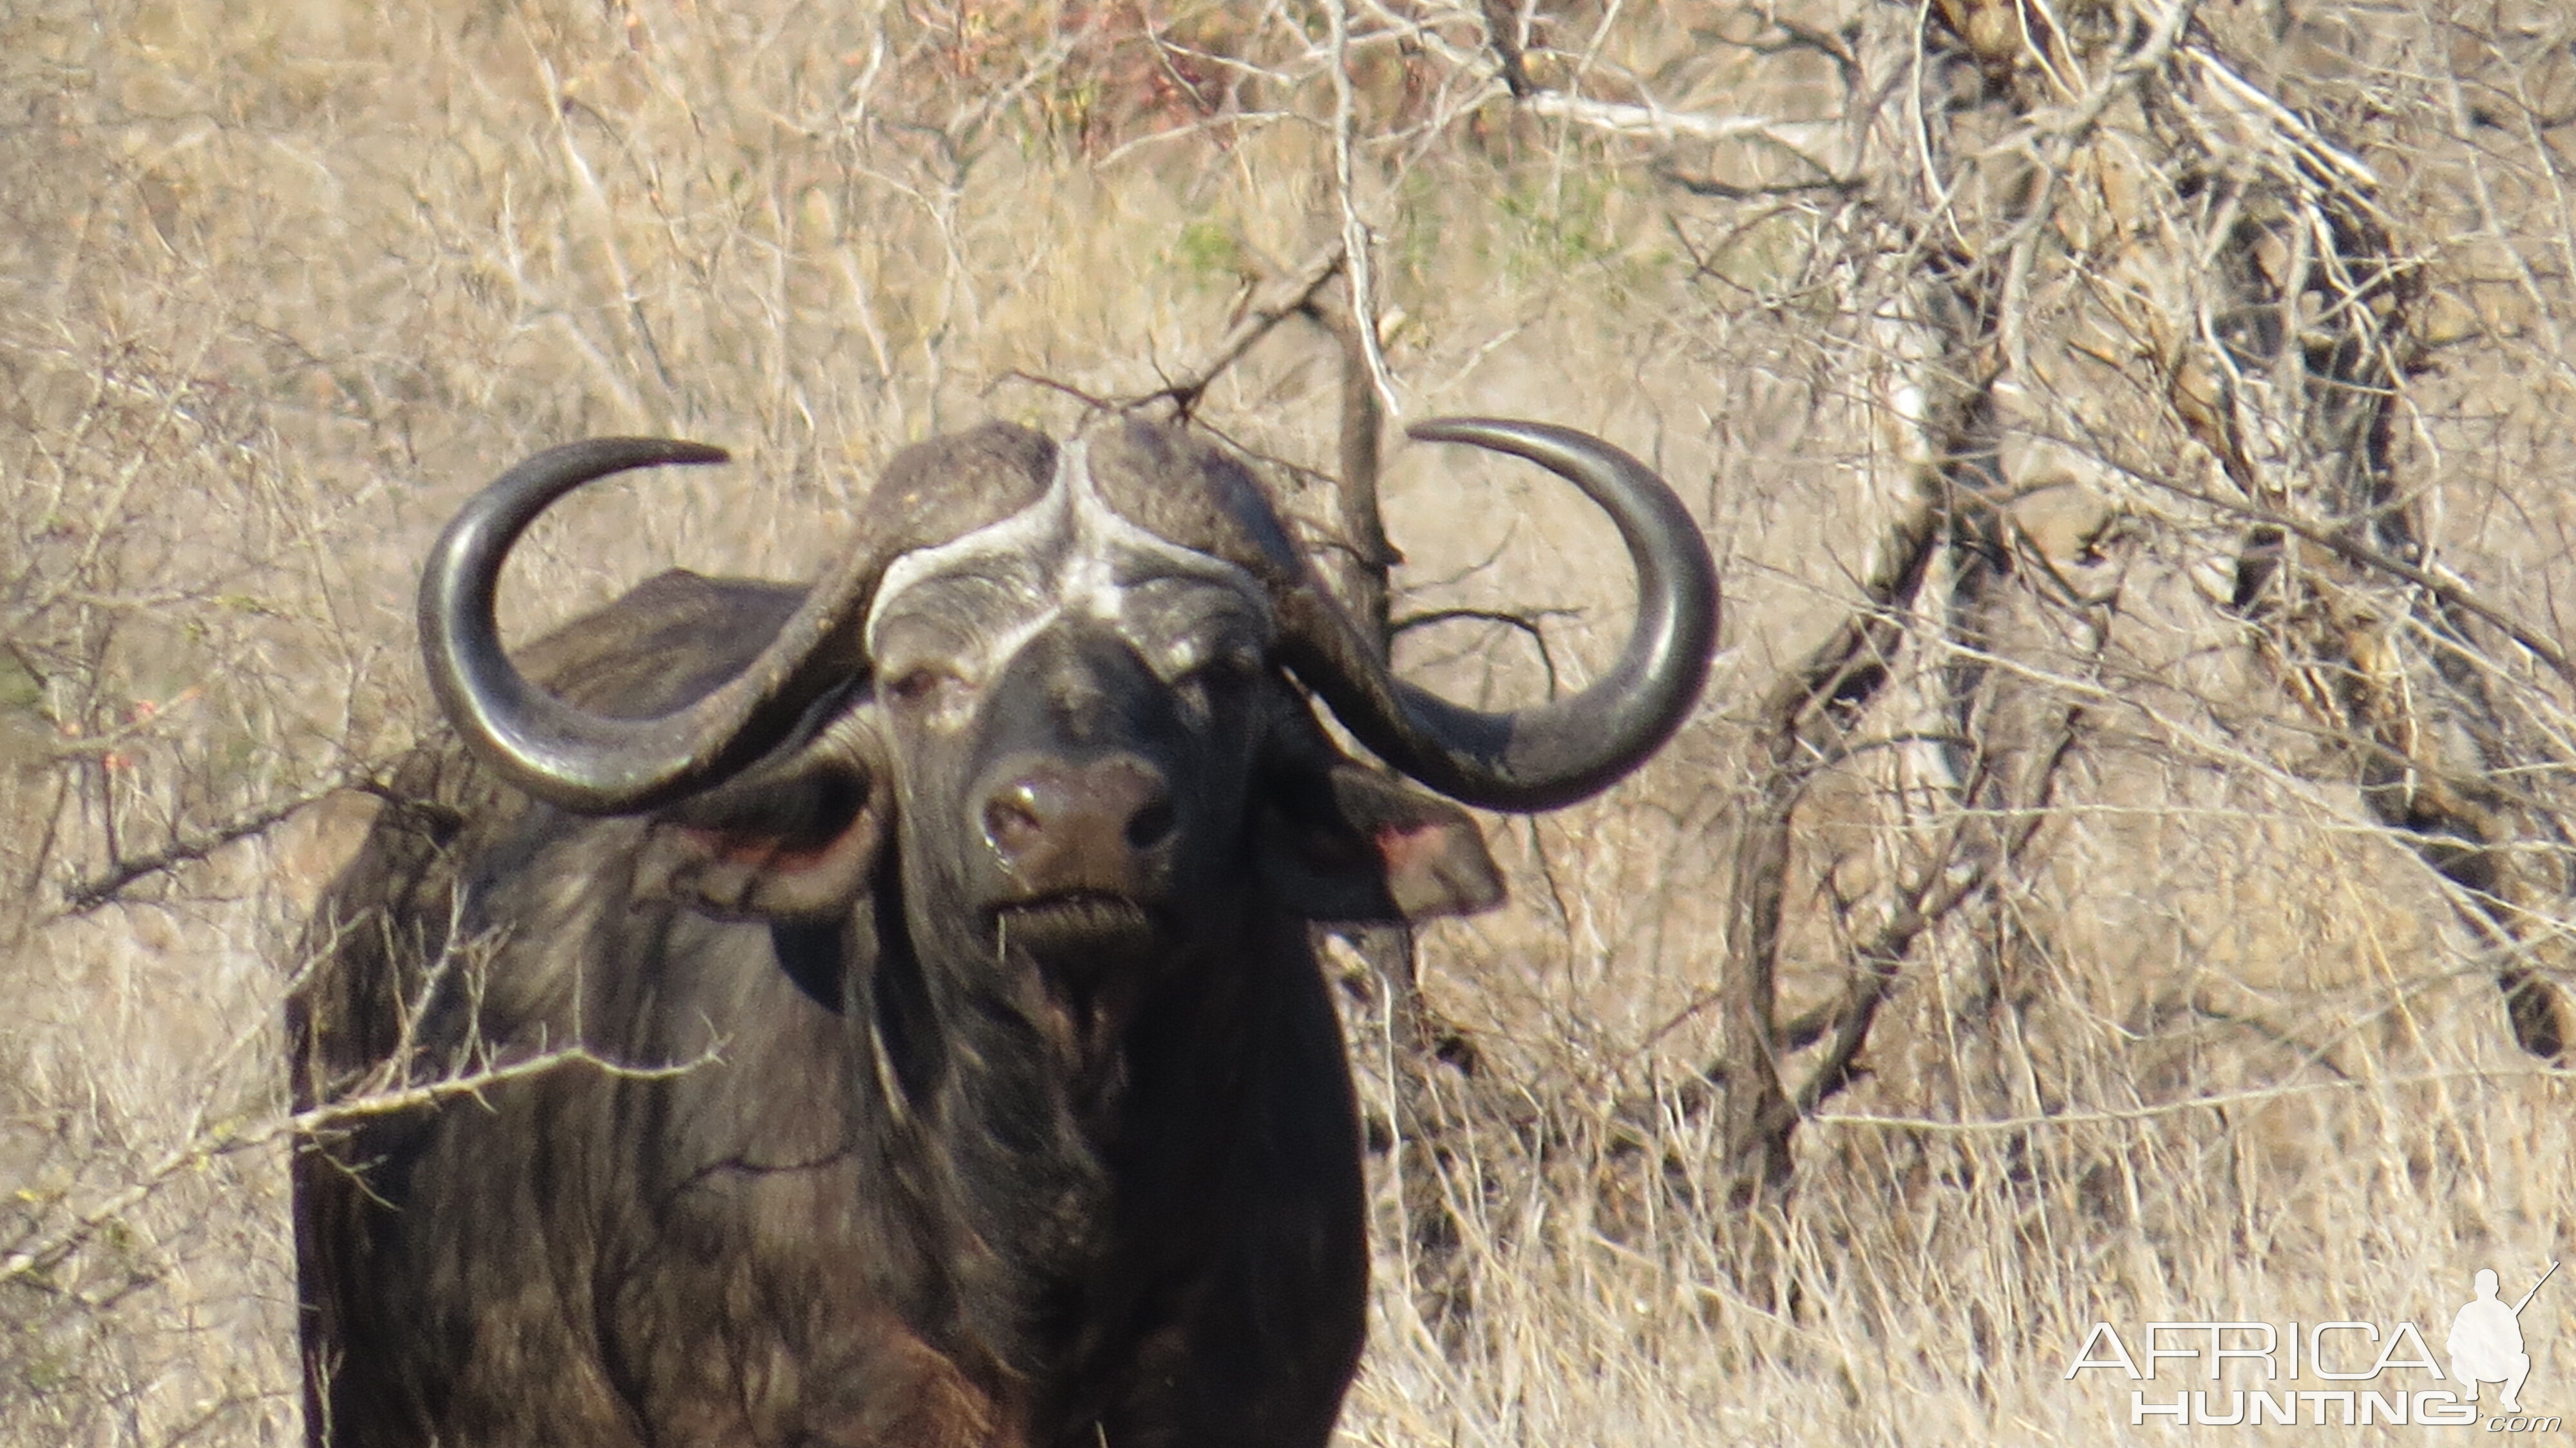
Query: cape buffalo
{"type": "Point", "coordinates": [892, 999]}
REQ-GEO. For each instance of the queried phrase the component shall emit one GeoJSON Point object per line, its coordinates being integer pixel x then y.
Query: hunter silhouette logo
{"type": "Point", "coordinates": [2486, 1340]}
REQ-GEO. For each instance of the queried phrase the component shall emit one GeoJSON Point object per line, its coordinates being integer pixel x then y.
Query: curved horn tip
{"type": "Point", "coordinates": [1449, 429]}
{"type": "Point", "coordinates": [1554, 754]}
{"type": "Point", "coordinates": [646, 452]}
{"type": "Point", "coordinates": [1473, 429]}
{"type": "Point", "coordinates": [583, 762]}
{"type": "Point", "coordinates": [593, 458]}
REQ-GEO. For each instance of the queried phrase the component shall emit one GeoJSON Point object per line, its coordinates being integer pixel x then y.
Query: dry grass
{"type": "Point", "coordinates": [281, 282]}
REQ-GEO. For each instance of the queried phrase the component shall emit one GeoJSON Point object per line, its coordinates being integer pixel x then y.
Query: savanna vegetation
{"type": "Point", "coordinates": [2122, 871]}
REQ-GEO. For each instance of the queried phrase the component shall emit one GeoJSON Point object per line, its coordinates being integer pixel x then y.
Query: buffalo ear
{"type": "Point", "coordinates": [1346, 844]}
{"type": "Point", "coordinates": [793, 845]}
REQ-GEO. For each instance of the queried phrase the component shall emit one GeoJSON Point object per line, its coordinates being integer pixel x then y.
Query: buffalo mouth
{"type": "Point", "coordinates": [1078, 926]}
{"type": "Point", "coordinates": [1093, 955]}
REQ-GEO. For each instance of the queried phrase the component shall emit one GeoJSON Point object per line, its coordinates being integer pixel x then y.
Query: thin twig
{"type": "Point", "coordinates": [1526, 622]}
{"type": "Point", "coordinates": [2352, 551]}
{"type": "Point", "coordinates": [204, 1146]}
{"type": "Point", "coordinates": [2215, 1100]}
{"type": "Point", "coordinates": [1937, 890]}
{"type": "Point", "coordinates": [82, 896]}
{"type": "Point", "coordinates": [1274, 304]}
{"type": "Point", "coordinates": [1355, 233]}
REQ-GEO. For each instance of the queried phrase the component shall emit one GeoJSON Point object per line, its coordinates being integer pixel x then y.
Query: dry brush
{"type": "Point", "coordinates": [2123, 872]}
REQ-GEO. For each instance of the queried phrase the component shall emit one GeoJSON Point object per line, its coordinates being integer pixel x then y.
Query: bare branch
{"type": "Point", "coordinates": [83, 896]}
{"type": "Point", "coordinates": [1355, 232]}
{"type": "Point", "coordinates": [1527, 623]}
{"type": "Point", "coordinates": [1273, 304]}
{"type": "Point", "coordinates": [51, 1248]}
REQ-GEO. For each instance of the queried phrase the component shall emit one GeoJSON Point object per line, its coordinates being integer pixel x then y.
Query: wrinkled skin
{"type": "Point", "coordinates": [1009, 1107]}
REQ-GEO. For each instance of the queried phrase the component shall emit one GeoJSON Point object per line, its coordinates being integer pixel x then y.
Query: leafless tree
{"type": "Point", "coordinates": [2126, 853]}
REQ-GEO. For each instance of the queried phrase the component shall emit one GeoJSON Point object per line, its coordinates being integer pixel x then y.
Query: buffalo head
{"type": "Point", "coordinates": [1061, 681]}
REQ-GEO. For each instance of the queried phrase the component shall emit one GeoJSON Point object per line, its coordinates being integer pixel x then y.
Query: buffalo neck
{"type": "Point", "coordinates": [1056, 1164]}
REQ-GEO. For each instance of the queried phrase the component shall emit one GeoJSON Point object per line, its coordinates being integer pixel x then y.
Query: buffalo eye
{"type": "Point", "coordinates": [916, 684]}
{"type": "Point", "coordinates": [1229, 666]}
{"type": "Point", "coordinates": [1223, 672]}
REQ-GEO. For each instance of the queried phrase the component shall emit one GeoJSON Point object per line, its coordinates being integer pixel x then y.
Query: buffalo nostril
{"type": "Point", "coordinates": [1011, 820]}
{"type": "Point", "coordinates": [1151, 825]}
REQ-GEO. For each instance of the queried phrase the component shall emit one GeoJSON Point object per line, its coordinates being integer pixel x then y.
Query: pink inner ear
{"type": "Point", "coordinates": [767, 853]}
{"type": "Point", "coordinates": [1409, 849]}
{"type": "Point", "coordinates": [747, 873]}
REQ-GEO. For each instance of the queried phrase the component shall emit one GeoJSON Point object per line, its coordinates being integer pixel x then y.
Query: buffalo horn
{"type": "Point", "coordinates": [1555, 753]}
{"type": "Point", "coordinates": [590, 762]}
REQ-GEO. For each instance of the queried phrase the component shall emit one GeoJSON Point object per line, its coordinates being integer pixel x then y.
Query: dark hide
{"type": "Point", "coordinates": [912, 1178]}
